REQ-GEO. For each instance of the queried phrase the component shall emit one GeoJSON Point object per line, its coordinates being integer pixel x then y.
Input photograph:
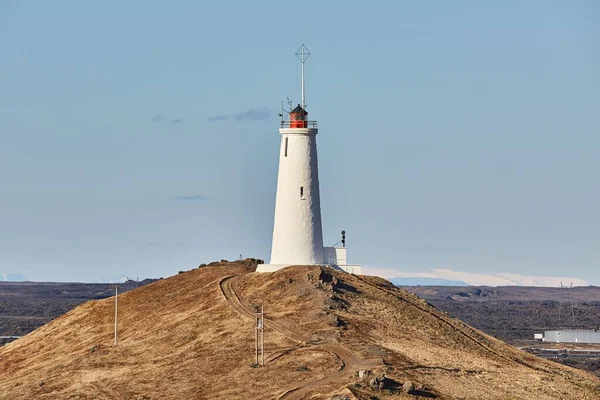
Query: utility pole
{"type": "Point", "coordinates": [259, 334]}
{"type": "Point", "coordinates": [116, 313]}
{"type": "Point", "coordinates": [262, 332]}
{"type": "Point", "coordinates": [256, 335]}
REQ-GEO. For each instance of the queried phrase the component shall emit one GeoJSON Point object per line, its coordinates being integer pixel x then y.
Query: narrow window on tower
{"type": "Point", "coordinates": [302, 192]}
{"type": "Point", "coordinates": [286, 146]}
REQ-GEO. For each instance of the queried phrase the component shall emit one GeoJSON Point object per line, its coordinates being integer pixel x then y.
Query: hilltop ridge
{"type": "Point", "coordinates": [191, 336]}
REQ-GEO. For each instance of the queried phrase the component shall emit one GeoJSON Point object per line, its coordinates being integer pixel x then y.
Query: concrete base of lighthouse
{"type": "Point", "coordinates": [336, 257]}
{"type": "Point", "coordinates": [352, 269]}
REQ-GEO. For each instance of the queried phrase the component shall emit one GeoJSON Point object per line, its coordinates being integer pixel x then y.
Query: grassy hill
{"type": "Point", "coordinates": [191, 336]}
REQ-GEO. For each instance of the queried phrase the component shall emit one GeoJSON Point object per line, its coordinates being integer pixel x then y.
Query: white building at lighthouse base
{"type": "Point", "coordinates": [335, 257]}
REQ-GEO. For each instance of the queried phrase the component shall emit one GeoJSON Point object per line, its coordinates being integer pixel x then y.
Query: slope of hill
{"type": "Point", "coordinates": [191, 336]}
{"type": "Point", "coordinates": [25, 306]}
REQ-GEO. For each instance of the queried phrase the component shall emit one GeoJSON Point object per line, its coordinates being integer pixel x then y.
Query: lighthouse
{"type": "Point", "coordinates": [297, 230]}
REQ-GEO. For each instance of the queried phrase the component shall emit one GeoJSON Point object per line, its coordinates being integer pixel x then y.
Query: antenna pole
{"type": "Point", "coordinates": [303, 55]}
{"type": "Point", "coordinates": [303, 87]}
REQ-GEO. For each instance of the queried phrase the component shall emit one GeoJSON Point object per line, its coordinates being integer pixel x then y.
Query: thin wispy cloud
{"type": "Point", "coordinates": [217, 118]}
{"type": "Point", "coordinates": [260, 114]}
{"type": "Point", "coordinates": [253, 114]}
{"type": "Point", "coordinates": [159, 119]}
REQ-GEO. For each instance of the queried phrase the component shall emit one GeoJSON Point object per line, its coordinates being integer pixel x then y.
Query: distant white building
{"type": "Point", "coordinates": [297, 231]}
{"type": "Point", "coordinates": [570, 336]}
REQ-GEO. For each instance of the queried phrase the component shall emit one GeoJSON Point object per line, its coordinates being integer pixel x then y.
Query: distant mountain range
{"type": "Point", "coordinates": [12, 277]}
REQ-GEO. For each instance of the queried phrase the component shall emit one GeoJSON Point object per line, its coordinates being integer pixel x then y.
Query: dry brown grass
{"type": "Point", "coordinates": [180, 338]}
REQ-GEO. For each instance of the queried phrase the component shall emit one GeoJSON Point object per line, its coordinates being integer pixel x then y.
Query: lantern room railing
{"type": "Point", "coordinates": [299, 124]}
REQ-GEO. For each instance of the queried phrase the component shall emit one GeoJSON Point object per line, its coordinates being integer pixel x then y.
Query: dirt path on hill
{"type": "Point", "coordinates": [350, 362]}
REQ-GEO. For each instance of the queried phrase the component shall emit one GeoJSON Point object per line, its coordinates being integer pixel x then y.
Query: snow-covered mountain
{"type": "Point", "coordinates": [12, 277]}
{"type": "Point", "coordinates": [475, 279]}
{"type": "Point", "coordinates": [118, 279]}
{"type": "Point", "coordinates": [419, 281]}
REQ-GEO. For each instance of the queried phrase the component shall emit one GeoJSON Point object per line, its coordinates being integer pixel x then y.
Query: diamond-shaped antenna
{"type": "Point", "coordinates": [303, 55]}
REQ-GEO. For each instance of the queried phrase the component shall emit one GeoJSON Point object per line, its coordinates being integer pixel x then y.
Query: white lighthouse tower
{"type": "Point", "coordinates": [297, 231]}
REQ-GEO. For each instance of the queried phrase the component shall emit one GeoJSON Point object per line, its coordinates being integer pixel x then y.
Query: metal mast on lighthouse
{"type": "Point", "coordinates": [303, 55]}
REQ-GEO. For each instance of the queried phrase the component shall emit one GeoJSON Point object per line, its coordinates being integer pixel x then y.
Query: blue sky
{"type": "Point", "coordinates": [140, 137]}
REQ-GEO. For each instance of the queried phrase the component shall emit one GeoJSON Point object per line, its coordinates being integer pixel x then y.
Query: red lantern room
{"type": "Point", "coordinates": [298, 117]}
